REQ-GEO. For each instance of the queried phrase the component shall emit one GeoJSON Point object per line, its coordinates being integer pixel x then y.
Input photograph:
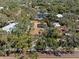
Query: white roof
{"type": "Point", "coordinates": [9, 27]}
{"type": "Point", "coordinates": [56, 24]}
{"type": "Point", "coordinates": [59, 15]}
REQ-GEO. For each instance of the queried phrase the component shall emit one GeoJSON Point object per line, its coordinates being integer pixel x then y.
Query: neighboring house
{"type": "Point", "coordinates": [8, 28]}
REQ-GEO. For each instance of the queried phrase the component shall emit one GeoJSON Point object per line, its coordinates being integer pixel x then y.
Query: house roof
{"type": "Point", "coordinates": [9, 27]}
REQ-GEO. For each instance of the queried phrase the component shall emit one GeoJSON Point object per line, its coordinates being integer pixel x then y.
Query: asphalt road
{"type": "Point", "coordinates": [7, 58]}
{"type": "Point", "coordinates": [73, 55]}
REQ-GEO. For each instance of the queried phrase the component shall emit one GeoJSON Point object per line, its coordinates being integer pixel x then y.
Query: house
{"type": "Point", "coordinates": [8, 28]}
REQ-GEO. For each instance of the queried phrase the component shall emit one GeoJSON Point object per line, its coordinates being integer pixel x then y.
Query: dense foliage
{"type": "Point", "coordinates": [23, 12]}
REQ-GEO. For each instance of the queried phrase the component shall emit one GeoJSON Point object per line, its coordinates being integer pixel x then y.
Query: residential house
{"type": "Point", "coordinates": [10, 27]}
